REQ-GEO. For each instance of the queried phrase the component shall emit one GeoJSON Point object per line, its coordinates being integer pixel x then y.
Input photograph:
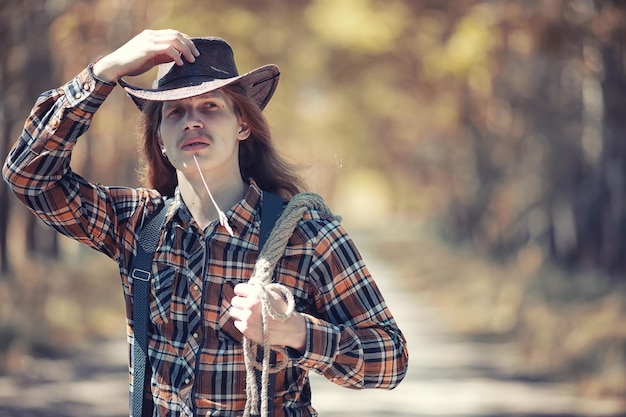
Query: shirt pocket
{"type": "Point", "coordinates": [166, 278]}
{"type": "Point", "coordinates": [227, 331]}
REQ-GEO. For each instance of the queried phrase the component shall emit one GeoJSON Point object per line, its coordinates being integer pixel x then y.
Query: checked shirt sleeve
{"type": "Point", "coordinates": [355, 342]}
{"type": "Point", "coordinates": [38, 171]}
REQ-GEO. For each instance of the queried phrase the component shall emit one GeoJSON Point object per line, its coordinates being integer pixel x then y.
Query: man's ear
{"type": "Point", "coordinates": [244, 131]}
{"type": "Point", "coordinates": [160, 142]}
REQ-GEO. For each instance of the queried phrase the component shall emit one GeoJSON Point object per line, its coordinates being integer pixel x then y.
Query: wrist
{"type": "Point", "coordinates": [104, 71]}
{"type": "Point", "coordinates": [297, 335]}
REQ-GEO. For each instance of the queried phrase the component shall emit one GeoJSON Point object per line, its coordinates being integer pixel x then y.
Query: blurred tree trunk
{"type": "Point", "coordinates": [26, 70]}
{"type": "Point", "coordinates": [5, 131]}
{"type": "Point", "coordinates": [40, 75]}
{"type": "Point", "coordinates": [30, 30]}
{"type": "Point", "coordinates": [588, 193]}
{"type": "Point", "coordinates": [558, 180]}
{"type": "Point", "coordinates": [614, 150]}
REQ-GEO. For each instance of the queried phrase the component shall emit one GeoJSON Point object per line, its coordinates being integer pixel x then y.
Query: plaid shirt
{"type": "Point", "coordinates": [194, 349]}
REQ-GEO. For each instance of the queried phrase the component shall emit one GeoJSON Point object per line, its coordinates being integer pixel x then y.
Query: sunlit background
{"type": "Point", "coordinates": [484, 140]}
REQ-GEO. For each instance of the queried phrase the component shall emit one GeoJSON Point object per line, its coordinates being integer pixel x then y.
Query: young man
{"type": "Point", "coordinates": [207, 145]}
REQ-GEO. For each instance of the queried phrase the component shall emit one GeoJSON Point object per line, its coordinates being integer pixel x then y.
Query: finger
{"type": "Point", "coordinates": [243, 289]}
{"type": "Point", "coordinates": [181, 41]}
{"type": "Point", "coordinates": [176, 55]}
{"type": "Point", "coordinates": [240, 326]}
{"type": "Point", "coordinates": [244, 302]}
{"type": "Point", "coordinates": [238, 302]}
{"type": "Point", "coordinates": [164, 33]}
{"type": "Point", "coordinates": [164, 53]}
{"type": "Point", "coordinates": [172, 45]}
{"type": "Point", "coordinates": [192, 46]}
{"type": "Point", "coordinates": [235, 313]}
{"type": "Point", "coordinates": [186, 48]}
{"type": "Point", "coordinates": [239, 314]}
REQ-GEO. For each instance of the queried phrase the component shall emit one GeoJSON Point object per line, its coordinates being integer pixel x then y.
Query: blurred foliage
{"type": "Point", "coordinates": [499, 121]}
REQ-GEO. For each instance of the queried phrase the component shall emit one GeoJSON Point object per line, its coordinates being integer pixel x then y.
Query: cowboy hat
{"type": "Point", "coordinates": [214, 68]}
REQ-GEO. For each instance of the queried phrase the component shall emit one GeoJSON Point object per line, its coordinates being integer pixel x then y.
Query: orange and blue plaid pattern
{"type": "Point", "coordinates": [195, 351]}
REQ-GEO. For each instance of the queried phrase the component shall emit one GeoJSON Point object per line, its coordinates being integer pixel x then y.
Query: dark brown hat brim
{"type": "Point", "coordinates": [259, 85]}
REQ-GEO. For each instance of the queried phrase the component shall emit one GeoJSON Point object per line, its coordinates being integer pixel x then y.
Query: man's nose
{"type": "Point", "coordinates": [193, 120]}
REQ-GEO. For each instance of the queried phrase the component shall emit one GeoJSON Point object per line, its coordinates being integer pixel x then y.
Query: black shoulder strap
{"type": "Point", "coordinates": [270, 212]}
{"type": "Point", "coordinates": [140, 271]}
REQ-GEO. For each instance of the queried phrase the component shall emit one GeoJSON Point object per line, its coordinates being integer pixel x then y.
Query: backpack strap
{"type": "Point", "coordinates": [270, 212]}
{"type": "Point", "coordinates": [140, 271]}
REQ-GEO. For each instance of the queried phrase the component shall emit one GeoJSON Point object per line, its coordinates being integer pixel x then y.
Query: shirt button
{"type": "Point", "coordinates": [77, 95]}
{"type": "Point", "coordinates": [196, 288]}
{"type": "Point", "coordinates": [54, 123]}
{"type": "Point", "coordinates": [187, 381]}
{"type": "Point", "coordinates": [195, 335]}
{"type": "Point", "coordinates": [87, 86]}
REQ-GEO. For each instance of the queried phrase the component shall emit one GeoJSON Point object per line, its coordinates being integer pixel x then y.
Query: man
{"type": "Point", "coordinates": [207, 146]}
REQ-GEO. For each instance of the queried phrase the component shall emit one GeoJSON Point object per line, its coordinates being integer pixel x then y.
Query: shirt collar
{"type": "Point", "coordinates": [240, 217]}
{"type": "Point", "coordinates": [245, 213]}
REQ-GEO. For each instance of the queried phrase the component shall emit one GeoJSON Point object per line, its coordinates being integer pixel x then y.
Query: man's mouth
{"type": "Point", "coordinates": [194, 144]}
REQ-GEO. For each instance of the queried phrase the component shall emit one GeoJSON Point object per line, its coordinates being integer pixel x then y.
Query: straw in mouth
{"type": "Point", "coordinates": [221, 216]}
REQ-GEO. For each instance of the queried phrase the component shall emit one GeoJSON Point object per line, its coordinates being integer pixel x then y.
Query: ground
{"type": "Point", "coordinates": [449, 374]}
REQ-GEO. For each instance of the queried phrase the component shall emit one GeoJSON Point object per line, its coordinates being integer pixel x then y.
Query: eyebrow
{"type": "Point", "coordinates": [206, 96]}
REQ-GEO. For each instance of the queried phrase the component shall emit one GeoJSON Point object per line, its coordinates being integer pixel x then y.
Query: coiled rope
{"type": "Point", "coordinates": [261, 279]}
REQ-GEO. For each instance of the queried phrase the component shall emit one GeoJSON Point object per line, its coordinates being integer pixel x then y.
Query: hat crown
{"type": "Point", "coordinates": [214, 68]}
{"type": "Point", "coordinates": [216, 61]}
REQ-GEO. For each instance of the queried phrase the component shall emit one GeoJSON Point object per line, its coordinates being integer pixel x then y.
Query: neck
{"type": "Point", "coordinates": [227, 191]}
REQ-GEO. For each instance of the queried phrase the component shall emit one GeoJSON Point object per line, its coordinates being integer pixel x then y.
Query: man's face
{"type": "Point", "coordinates": [205, 126]}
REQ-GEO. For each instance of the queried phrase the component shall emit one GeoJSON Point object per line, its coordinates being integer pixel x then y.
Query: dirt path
{"type": "Point", "coordinates": [93, 383]}
{"type": "Point", "coordinates": [447, 377]}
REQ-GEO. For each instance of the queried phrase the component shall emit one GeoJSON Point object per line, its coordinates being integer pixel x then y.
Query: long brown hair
{"type": "Point", "coordinates": [258, 158]}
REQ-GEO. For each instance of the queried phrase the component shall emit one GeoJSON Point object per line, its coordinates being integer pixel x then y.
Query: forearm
{"type": "Point", "coordinates": [37, 168]}
{"type": "Point", "coordinates": [373, 357]}
{"type": "Point", "coordinates": [56, 121]}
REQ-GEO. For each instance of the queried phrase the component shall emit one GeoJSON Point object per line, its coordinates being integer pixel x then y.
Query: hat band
{"type": "Point", "coordinates": [188, 81]}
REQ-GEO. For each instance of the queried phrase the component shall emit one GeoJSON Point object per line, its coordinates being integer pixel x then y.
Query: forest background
{"type": "Point", "coordinates": [497, 128]}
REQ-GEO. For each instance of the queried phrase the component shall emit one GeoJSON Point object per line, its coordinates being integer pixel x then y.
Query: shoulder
{"type": "Point", "coordinates": [143, 200]}
{"type": "Point", "coordinates": [133, 206]}
{"type": "Point", "coordinates": [315, 226]}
